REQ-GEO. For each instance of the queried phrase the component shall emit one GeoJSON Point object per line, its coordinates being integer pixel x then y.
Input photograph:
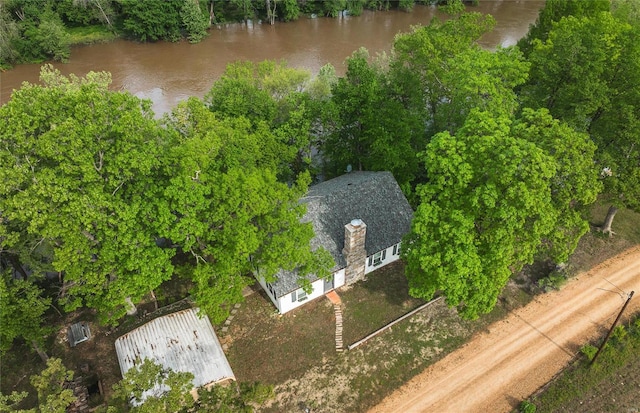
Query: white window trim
{"type": "Point", "coordinates": [378, 257]}
{"type": "Point", "coordinates": [299, 295]}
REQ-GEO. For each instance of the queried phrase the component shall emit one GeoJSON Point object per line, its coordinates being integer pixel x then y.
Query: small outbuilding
{"type": "Point", "coordinates": [78, 333]}
{"type": "Point", "coordinates": [183, 342]}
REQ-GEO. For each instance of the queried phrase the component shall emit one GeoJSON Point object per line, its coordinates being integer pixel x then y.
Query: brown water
{"type": "Point", "coordinates": [167, 73]}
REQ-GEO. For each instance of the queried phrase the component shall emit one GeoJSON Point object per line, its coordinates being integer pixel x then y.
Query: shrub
{"type": "Point", "coordinates": [589, 351]}
{"type": "Point", "coordinates": [553, 281]}
{"type": "Point", "coordinates": [527, 407]}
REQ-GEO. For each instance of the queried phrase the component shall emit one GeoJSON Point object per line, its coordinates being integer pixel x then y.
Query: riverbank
{"type": "Point", "coordinates": [167, 73]}
{"type": "Point", "coordinates": [90, 35]}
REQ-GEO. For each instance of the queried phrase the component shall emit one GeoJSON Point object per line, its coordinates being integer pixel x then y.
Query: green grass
{"type": "Point", "coordinates": [90, 34]}
{"type": "Point", "coordinates": [375, 302]}
{"type": "Point", "coordinates": [594, 247]}
{"type": "Point", "coordinates": [626, 223]}
{"type": "Point", "coordinates": [296, 350]}
{"type": "Point", "coordinates": [610, 385]}
{"type": "Point", "coordinates": [272, 348]}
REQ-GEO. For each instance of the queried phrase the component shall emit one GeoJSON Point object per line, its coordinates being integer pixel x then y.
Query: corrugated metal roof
{"type": "Point", "coordinates": [181, 341]}
{"type": "Point", "coordinates": [78, 333]}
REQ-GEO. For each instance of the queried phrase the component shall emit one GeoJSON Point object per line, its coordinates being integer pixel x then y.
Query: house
{"type": "Point", "coordinates": [183, 341]}
{"type": "Point", "coordinates": [360, 218]}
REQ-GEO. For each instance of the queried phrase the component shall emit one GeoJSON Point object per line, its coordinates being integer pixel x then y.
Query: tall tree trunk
{"type": "Point", "coordinates": [131, 307]}
{"type": "Point", "coordinates": [212, 16]}
{"type": "Point", "coordinates": [155, 299]}
{"type": "Point", "coordinates": [271, 13]}
{"type": "Point", "coordinates": [606, 227]}
{"type": "Point", "coordinates": [14, 260]}
{"type": "Point", "coordinates": [104, 15]}
{"type": "Point", "coordinates": [40, 352]}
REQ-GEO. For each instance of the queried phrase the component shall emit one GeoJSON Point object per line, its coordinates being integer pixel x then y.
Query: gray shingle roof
{"type": "Point", "coordinates": [374, 197]}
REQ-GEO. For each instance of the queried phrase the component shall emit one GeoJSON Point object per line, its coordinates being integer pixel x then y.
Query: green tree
{"type": "Point", "coordinates": [9, 402]}
{"type": "Point", "coordinates": [332, 8]}
{"type": "Point", "coordinates": [370, 130]}
{"type": "Point", "coordinates": [151, 388]}
{"type": "Point", "coordinates": [86, 12]}
{"type": "Point", "coordinates": [76, 163]}
{"type": "Point", "coordinates": [9, 35]}
{"type": "Point", "coordinates": [233, 398]}
{"type": "Point", "coordinates": [483, 213]}
{"type": "Point", "coordinates": [53, 38]}
{"type": "Point", "coordinates": [552, 12]}
{"type": "Point", "coordinates": [587, 73]}
{"type": "Point", "coordinates": [246, 8]}
{"type": "Point", "coordinates": [289, 10]}
{"type": "Point", "coordinates": [22, 309]}
{"type": "Point", "coordinates": [227, 211]}
{"type": "Point", "coordinates": [576, 183]}
{"type": "Point", "coordinates": [42, 34]}
{"type": "Point", "coordinates": [442, 73]}
{"type": "Point", "coordinates": [151, 20]}
{"type": "Point", "coordinates": [194, 21]}
{"type": "Point", "coordinates": [53, 395]}
{"type": "Point", "coordinates": [274, 98]}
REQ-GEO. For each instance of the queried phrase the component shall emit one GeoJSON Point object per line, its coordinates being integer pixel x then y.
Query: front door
{"type": "Point", "coordinates": [328, 284]}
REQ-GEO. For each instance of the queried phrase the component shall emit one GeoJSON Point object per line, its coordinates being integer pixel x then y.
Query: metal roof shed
{"type": "Point", "coordinates": [78, 333]}
{"type": "Point", "coordinates": [181, 341]}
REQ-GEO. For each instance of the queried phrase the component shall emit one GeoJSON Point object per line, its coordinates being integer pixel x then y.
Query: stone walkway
{"type": "Point", "coordinates": [337, 309]}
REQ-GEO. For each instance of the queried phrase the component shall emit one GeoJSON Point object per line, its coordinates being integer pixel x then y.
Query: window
{"type": "Point", "coordinates": [377, 258]}
{"type": "Point", "coordinates": [271, 289]}
{"type": "Point", "coordinates": [298, 295]}
{"type": "Point", "coordinates": [396, 249]}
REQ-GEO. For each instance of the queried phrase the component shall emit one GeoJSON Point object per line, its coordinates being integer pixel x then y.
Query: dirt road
{"type": "Point", "coordinates": [496, 370]}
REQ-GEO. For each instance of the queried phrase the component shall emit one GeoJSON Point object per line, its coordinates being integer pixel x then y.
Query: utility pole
{"type": "Point", "coordinates": [612, 327]}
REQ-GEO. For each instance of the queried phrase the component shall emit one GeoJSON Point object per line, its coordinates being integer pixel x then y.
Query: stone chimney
{"type": "Point", "coordinates": [354, 252]}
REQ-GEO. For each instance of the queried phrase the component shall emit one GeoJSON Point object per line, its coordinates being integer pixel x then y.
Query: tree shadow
{"type": "Point", "coordinates": [390, 283]}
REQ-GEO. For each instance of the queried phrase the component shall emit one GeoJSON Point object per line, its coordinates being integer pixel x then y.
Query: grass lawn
{"type": "Point", "coordinates": [612, 384]}
{"type": "Point", "coordinates": [296, 351]}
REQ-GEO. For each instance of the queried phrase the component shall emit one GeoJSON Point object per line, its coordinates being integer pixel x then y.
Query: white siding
{"type": "Point", "coordinates": [273, 299]}
{"type": "Point", "coordinates": [338, 278]}
{"type": "Point", "coordinates": [285, 303]}
{"type": "Point", "coordinates": [389, 257]}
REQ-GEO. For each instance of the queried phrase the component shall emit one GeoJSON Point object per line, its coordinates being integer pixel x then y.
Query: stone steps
{"type": "Point", "coordinates": [338, 313]}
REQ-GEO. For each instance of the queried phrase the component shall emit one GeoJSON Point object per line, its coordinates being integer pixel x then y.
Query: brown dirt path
{"type": "Point", "coordinates": [496, 370]}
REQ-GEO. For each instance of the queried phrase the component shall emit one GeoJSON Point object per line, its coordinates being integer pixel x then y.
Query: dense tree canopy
{"type": "Point", "coordinates": [499, 153]}
{"type": "Point", "coordinates": [21, 312]}
{"type": "Point", "coordinates": [587, 73]}
{"type": "Point", "coordinates": [552, 12]}
{"type": "Point", "coordinates": [441, 68]}
{"type": "Point", "coordinates": [577, 180]}
{"type": "Point", "coordinates": [99, 192]}
{"type": "Point", "coordinates": [228, 210]}
{"type": "Point", "coordinates": [496, 192]}
{"type": "Point", "coordinates": [75, 180]}
{"type": "Point", "coordinates": [283, 103]}
{"type": "Point", "coordinates": [370, 129]}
